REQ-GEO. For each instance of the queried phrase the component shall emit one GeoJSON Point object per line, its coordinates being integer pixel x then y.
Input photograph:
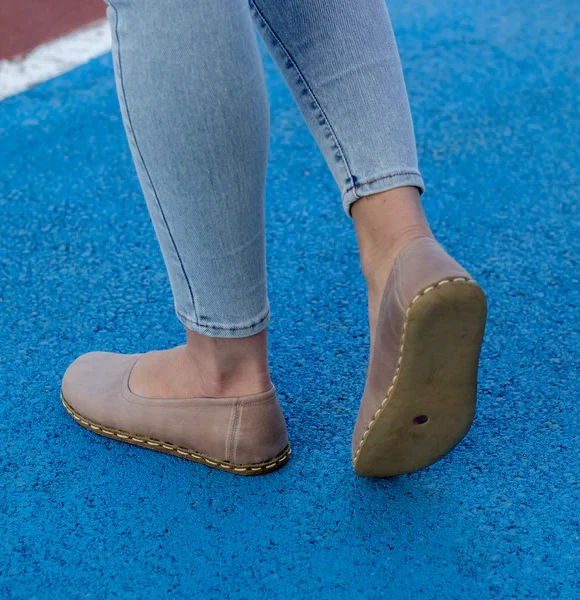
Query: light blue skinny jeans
{"type": "Point", "coordinates": [194, 104]}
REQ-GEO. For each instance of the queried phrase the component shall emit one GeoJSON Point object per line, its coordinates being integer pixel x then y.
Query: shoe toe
{"type": "Point", "coordinates": [93, 381]}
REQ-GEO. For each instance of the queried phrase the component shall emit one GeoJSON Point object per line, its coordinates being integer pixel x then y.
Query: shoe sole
{"type": "Point", "coordinates": [430, 405]}
{"type": "Point", "coordinates": [152, 444]}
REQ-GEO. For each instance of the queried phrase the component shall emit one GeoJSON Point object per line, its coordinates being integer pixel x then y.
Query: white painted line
{"type": "Point", "coordinates": [54, 58]}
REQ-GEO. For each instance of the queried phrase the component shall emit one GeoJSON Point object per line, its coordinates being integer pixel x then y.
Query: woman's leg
{"type": "Point", "coordinates": [194, 105]}
{"type": "Point", "coordinates": [341, 63]}
{"type": "Point", "coordinates": [427, 315]}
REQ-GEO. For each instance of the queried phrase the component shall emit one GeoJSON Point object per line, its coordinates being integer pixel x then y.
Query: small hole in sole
{"type": "Point", "coordinates": [420, 419]}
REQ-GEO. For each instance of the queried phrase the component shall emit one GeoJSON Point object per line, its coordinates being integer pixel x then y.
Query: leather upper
{"type": "Point", "coordinates": [421, 263]}
{"type": "Point", "coordinates": [240, 430]}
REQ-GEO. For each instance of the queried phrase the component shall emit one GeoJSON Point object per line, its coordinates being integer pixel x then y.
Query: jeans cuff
{"type": "Point", "coordinates": [381, 184]}
{"type": "Point", "coordinates": [227, 330]}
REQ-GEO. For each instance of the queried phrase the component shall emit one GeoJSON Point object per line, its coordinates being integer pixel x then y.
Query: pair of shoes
{"type": "Point", "coordinates": [418, 402]}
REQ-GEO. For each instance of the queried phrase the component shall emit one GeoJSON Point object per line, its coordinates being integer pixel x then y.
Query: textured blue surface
{"type": "Point", "coordinates": [494, 88]}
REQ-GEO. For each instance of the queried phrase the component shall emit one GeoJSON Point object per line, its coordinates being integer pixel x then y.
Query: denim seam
{"type": "Point", "coordinates": [358, 185]}
{"type": "Point", "coordinates": [132, 130]}
{"type": "Point", "coordinates": [307, 86]}
{"type": "Point", "coordinates": [205, 326]}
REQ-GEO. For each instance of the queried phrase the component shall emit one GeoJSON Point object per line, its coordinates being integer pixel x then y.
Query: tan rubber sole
{"type": "Point", "coordinates": [153, 444]}
{"type": "Point", "coordinates": [430, 406]}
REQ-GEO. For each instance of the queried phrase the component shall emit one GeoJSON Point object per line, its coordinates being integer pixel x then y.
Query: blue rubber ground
{"type": "Point", "coordinates": [494, 88]}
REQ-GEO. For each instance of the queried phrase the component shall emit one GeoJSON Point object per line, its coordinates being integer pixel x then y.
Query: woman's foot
{"type": "Point", "coordinates": [204, 367]}
{"type": "Point", "coordinates": [237, 432]}
{"type": "Point", "coordinates": [427, 318]}
{"type": "Point", "coordinates": [384, 223]}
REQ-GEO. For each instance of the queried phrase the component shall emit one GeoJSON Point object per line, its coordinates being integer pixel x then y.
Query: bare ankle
{"type": "Point", "coordinates": [229, 366]}
{"type": "Point", "coordinates": [384, 223]}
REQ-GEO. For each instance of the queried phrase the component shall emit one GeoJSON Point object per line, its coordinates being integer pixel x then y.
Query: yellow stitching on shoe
{"type": "Point", "coordinates": [400, 357]}
{"type": "Point", "coordinates": [176, 449]}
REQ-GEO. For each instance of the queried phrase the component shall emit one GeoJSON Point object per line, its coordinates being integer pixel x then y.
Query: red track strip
{"type": "Point", "coordinates": [24, 24]}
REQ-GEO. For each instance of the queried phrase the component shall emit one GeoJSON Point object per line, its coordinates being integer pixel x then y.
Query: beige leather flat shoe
{"type": "Point", "coordinates": [245, 435]}
{"type": "Point", "coordinates": [420, 393]}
